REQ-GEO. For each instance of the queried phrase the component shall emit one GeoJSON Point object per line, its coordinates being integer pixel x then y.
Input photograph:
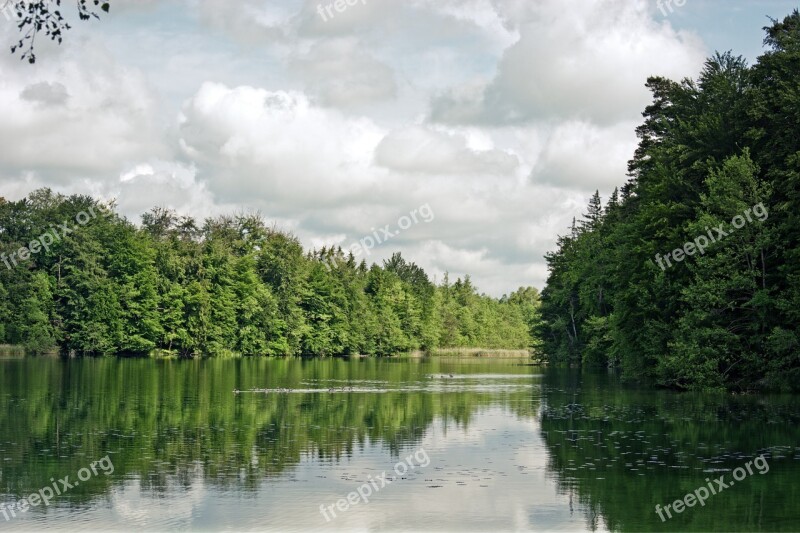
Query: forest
{"type": "Point", "coordinates": [710, 150]}
{"type": "Point", "coordinates": [231, 286]}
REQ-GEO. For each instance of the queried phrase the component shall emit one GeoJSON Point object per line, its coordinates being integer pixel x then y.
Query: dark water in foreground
{"type": "Point", "coordinates": [499, 446]}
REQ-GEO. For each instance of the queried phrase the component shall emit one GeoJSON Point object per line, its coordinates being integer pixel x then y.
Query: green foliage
{"type": "Point", "coordinates": [230, 287]}
{"type": "Point", "coordinates": [709, 150]}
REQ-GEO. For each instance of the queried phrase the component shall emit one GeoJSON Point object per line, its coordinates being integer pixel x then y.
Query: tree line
{"type": "Point", "coordinates": [229, 286]}
{"type": "Point", "coordinates": [710, 150]}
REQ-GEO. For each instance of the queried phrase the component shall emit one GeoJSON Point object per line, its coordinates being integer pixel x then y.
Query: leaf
{"type": "Point", "coordinates": [105, 7]}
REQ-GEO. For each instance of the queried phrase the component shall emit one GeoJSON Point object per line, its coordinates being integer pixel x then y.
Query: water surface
{"type": "Point", "coordinates": [487, 444]}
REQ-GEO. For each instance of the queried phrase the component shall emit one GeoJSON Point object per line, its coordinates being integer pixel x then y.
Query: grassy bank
{"type": "Point", "coordinates": [474, 352]}
{"type": "Point", "coordinates": [9, 350]}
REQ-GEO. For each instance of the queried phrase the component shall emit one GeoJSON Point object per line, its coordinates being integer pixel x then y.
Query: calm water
{"type": "Point", "coordinates": [497, 446]}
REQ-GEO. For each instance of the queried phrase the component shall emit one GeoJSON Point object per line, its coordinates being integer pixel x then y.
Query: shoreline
{"type": "Point", "coordinates": [13, 351]}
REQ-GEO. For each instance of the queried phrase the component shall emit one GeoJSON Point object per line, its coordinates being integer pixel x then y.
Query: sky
{"type": "Point", "coordinates": [465, 134]}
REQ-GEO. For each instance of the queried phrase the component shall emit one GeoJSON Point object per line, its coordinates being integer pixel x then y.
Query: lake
{"type": "Point", "coordinates": [383, 444]}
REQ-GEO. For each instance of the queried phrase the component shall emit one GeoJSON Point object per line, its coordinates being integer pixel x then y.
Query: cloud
{"type": "Point", "coordinates": [45, 93]}
{"type": "Point", "coordinates": [585, 156]}
{"type": "Point", "coordinates": [247, 21]}
{"type": "Point", "coordinates": [177, 188]}
{"type": "Point", "coordinates": [575, 59]}
{"type": "Point", "coordinates": [314, 20]}
{"type": "Point", "coordinates": [341, 74]}
{"type": "Point", "coordinates": [424, 150]}
{"type": "Point", "coordinates": [84, 117]}
{"type": "Point", "coordinates": [277, 147]}
{"type": "Point", "coordinates": [494, 274]}
{"type": "Point", "coordinates": [481, 14]}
